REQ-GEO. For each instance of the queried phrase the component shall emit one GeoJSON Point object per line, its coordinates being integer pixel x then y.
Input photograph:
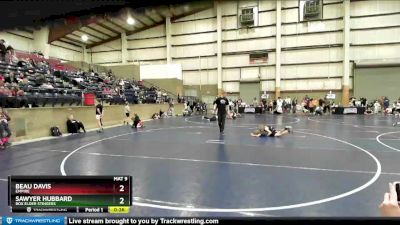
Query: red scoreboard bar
{"type": "Point", "coordinates": [90, 194]}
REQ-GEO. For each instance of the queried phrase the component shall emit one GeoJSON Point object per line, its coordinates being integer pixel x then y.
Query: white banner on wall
{"type": "Point", "coordinates": [163, 71]}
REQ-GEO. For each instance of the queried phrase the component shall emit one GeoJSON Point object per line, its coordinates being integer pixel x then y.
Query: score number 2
{"type": "Point", "coordinates": [121, 199]}
{"type": "Point", "coordinates": [121, 189]}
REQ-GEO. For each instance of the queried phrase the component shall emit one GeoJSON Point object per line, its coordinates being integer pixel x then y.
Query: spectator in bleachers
{"type": "Point", "coordinates": [106, 80]}
{"type": "Point", "coordinates": [117, 90]}
{"type": "Point", "coordinates": [21, 100]}
{"type": "Point", "coordinates": [39, 79]}
{"type": "Point", "coordinates": [9, 49]}
{"type": "Point", "coordinates": [159, 96]}
{"type": "Point", "coordinates": [19, 77]}
{"type": "Point", "coordinates": [22, 63]}
{"type": "Point", "coordinates": [121, 82]}
{"type": "Point", "coordinates": [2, 51]}
{"type": "Point", "coordinates": [12, 58]}
{"type": "Point", "coordinates": [4, 91]}
{"type": "Point", "coordinates": [12, 85]}
{"type": "Point", "coordinates": [165, 96]}
{"type": "Point", "coordinates": [16, 91]}
{"type": "Point", "coordinates": [47, 85]}
{"type": "Point", "coordinates": [107, 91]}
{"type": "Point", "coordinates": [32, 63]}
{"type": "Point", "coordinates": [24, 80]}
{"type": "Point", "coordinates": [10, 78]}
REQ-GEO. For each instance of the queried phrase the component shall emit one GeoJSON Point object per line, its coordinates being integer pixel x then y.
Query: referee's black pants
{"type": "Point", "coordinates": [221, 122]}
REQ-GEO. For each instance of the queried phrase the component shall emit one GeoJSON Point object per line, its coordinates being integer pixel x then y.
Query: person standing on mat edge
{"type": "Point", "coordinates": [221, 105]}
{"type": "Point", "coordinates": [99, 117]}
{"type": "Point", "coordinates": [127, 111]}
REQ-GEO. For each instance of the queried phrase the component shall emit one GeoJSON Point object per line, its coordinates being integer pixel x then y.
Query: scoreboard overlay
{"type": "Point", "coordinates": [90, 194]}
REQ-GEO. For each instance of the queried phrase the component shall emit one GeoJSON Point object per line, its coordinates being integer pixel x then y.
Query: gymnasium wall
{"type": "Point", "coordinates": [25, 41]}
{"type": "Point", "coordinates": [172, 85]}
{"type": "Point", "coordinates": [25, 124]}
{"type": "Point", "coordinates": [148, 46]}
{"type": "Point", "coordinates": [375, 30]}
{"type": "Point", "coordinates": [125, 71]}
{"type": "Point", "coordinates": [20, 40]}
{"type": "Point", "coordinates": [312, 52]}
{"type": "Point", "coordinates": [107, 54]}
{"type": "Point", "coordinates": [65, 51]}
{"type": "Point", "coordinates": [207, 92]}
{"type": "Point", "coordinates": [372, 83]}
{"type": "Point", "coordinates": [79, 65]}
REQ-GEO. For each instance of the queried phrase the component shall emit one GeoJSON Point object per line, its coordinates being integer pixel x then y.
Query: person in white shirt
{"type": "Point", "coordinates": [397, 108]}
{"type": "Point", "coordinates": [78, 80]}
{"type": "Point", "coordinates": [255, 102]}
{"type": "Point", "coordinates": [279, 106]}
{"type": "Point", "coordinates": [47, 85]}
{"type": "Point", "coordinates": [159, 96]}
{"type": "Point", "coordinates": [397, 112]}
{"type": "Point", "coordinates": [165, 96]}
{"type": "Point", "coordinates": [288, 104]}
{"type": "Point", "coordinates": [288, 100]}
{"type": "Point", "coordinates": [231, 105]}
{"type": "Point", "coordinates": [127, 111]}
{"type": "Point", "coordinates": [377, 107]}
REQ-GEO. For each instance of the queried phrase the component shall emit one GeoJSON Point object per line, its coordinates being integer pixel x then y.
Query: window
{"type": "Point", "coordinates": [258, 57]}
{"type": "Point", "coordinates": [310, 10]}
{"type": "Point", "coordinates": [247, 17]}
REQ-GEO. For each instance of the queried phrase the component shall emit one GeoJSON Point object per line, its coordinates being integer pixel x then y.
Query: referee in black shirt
{"type": "Point", "coordinates": [221, 105]}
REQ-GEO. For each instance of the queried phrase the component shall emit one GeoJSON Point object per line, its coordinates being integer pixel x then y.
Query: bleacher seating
{"type": "Point", "coordinates": [69, 85]}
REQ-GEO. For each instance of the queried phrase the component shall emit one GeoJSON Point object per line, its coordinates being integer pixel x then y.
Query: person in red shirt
{"type": "Point", "coordinates": [3, 90]}
{"type": "Point", "coordinates": [17, 92]}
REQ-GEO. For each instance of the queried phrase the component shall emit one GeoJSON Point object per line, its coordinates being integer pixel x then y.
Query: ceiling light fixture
{"type": "Point", "coordinates": [186, 8]}
{"type": "Point", "coordinates": [84, 37]}
{"type": "Point", "coordinates": [130, 21]}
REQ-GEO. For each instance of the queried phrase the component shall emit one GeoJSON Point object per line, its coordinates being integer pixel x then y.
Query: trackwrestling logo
{"type": "Point", "coordinates": [33, 220]}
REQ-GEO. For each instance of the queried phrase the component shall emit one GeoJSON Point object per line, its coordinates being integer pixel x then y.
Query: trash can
{"type": "Point", "coordinates": [89, 99]}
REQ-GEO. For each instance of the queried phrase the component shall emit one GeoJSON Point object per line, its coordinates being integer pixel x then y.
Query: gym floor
{"type": "Point", "coordinates": [329, 166]}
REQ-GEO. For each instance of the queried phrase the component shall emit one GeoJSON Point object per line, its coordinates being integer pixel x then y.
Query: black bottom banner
{"type": "Point", "coordinates": [206, 221]}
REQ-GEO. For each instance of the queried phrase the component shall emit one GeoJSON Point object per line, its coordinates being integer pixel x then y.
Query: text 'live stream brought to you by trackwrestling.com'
{"type": "Point", "coordinates": [21, 220]}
